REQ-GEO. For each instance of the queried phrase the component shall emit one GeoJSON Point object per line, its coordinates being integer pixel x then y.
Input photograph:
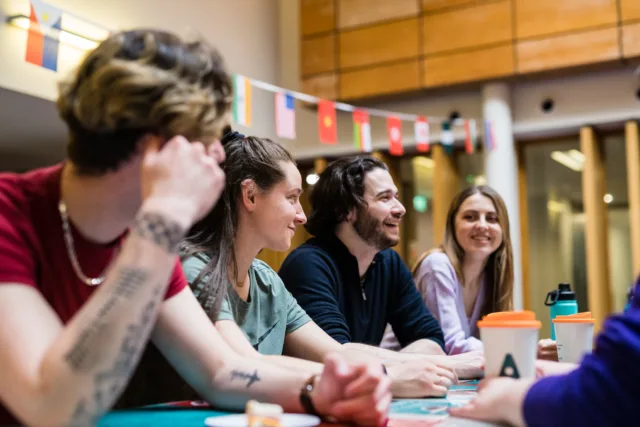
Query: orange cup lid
{"type": "Point", "coordinates": [510, 319]}
{"type": "Point", "coordinates": [575, 318]}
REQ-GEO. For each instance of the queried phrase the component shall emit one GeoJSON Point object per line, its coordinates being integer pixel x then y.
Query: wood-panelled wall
{"type": "Point", "coordinates": [355, 49]}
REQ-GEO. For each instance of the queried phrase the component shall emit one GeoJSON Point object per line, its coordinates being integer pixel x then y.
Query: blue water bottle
{"type": "Point", "coordinates": [561, 302]}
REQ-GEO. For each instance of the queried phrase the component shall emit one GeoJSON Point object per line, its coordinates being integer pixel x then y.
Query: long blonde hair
{"type": "Point", "coordinates": [498, 272]}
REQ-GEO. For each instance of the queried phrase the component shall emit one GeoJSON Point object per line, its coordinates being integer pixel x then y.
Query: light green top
{"type": "Point", "coordinates": [267, 316]}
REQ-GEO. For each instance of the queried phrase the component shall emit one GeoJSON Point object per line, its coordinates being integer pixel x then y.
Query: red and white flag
{"type": "Point", "coordinates": [394, 130]}
{"type": "Point", "coordinates": [421, 129]}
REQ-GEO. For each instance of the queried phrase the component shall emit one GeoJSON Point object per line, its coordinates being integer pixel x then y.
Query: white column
{"type": "Point", "coordinates": [501, 168]}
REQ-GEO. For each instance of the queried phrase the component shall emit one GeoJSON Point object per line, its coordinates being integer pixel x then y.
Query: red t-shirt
{"type": "Point", "coordinates": [32, 248]}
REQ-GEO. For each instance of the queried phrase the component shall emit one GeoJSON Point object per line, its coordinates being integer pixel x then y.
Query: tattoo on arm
{"type": "Point", "coordinates": [110, 382]}
{"type": "Point", "coordinates": [163, 232]}
{"type": "Point", "coordinates": [245, 376]}
{"type": "Point", "coordinates": [87, 352]}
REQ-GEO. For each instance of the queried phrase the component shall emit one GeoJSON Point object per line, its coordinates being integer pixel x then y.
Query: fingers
{"type": "Point", "coordinates": [367, 381]}
{"type": "Point", "coordinates": [364, 410]}
{"type": "Point", "coordinates": [471, 410]}
{"type": "Point", "coordinates": [216, 151]}
{"type": "Point", "coordinates": [447, 372]}
{"type": "Point", "coordinates": [438, 391]}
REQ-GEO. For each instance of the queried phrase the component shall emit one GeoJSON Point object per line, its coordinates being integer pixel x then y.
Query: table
{"type": "Point", "coordinates": [403, 413]}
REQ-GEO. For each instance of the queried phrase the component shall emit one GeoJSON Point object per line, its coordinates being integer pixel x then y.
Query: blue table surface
{"type": "Point", "coordinates": [188, 414]}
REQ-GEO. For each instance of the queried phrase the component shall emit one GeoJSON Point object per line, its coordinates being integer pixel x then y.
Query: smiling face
{"type": "Point", "coordinates": [278, 211]}
{"type": "Point", "coordinates": [378, 223]}
{"type": "Point", "coordinates": [477, 227]}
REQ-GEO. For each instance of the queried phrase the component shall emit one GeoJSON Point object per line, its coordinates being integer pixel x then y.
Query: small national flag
{"type": "Point", "coordinates": [361, 131]}
{"type": "Point", "coordinates": [327, 126]}
{"type": "Point", "coordinates": [285, 116]}
{"type": "Point", "coordinates": [242, 100]}
{"type": "Point", "coordinates": [421, 130]}
{"type": "Point", "coordinates": [446, 137]}
{"type": "Point", "coordinates": [45, 23]}
{"type": "Point", "coordinates": [394, 129]}
{"type": "Point", "coordinates": [489, 137]}
{"type": "Point", "coordinates": [470, 136]}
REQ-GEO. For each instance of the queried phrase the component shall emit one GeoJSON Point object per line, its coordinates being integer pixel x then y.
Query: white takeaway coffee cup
{"type": "Point", "coordinates": [510, 341]}
{"type": "Point", "coordinates": [574, 336]}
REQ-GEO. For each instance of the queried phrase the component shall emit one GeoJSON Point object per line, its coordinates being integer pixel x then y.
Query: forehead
{"type": "Point", "coordinates": [477, 202]}
{"type": "Point", "coordinates": [378, 180]}
{"type": "Point", "coordinates": [291, 174]}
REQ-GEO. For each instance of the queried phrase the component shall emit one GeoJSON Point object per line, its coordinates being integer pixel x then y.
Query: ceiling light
{"type": "Point", "coordinates": [312, 178]}
{"type": "Point", "coordinates": [572, 161]}
{"type": "Point", "coordinates": [608, 198]}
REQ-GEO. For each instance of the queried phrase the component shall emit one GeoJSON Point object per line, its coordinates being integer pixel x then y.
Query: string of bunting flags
{"type": "Point", "coordinates": [285, 119]}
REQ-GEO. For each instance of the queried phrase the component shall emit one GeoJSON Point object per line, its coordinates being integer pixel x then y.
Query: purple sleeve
{"type": "Point", "coordinates": [438, 284]}
{"type": "Point", "coordinates": [602, 391]}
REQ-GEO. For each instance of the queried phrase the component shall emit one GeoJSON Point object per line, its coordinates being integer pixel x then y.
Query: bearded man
{"type": "Point", "coordinates": [347, 277]}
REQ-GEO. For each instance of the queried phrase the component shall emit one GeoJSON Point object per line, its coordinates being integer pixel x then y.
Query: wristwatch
{"type": "Point", "coordinates": [305, 396]}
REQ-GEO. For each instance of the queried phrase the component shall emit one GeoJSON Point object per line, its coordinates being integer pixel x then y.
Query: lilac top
{"type": "Point", "coordinates": [442, 293]}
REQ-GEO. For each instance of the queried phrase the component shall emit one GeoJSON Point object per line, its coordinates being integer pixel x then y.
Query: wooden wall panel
{"type": "Point", "coordinates": [324, 86]}
{"type": "Point", "coordinates": [629, 9]}
{"type": "Point", "coordinates": [353, 13]}
{"type": "Point", "coordinates": [380, 80]}
{"type": "Point", "coordinates": [318, 55]}
{"type": "Point", "coordinates": [371, 45]}
{"type": "Point", "coordinates": [475, 26]}
{"type": "Point", "coordinates": [433, 5]}
{"type": "Point", "coordinates": [316, 16]}
{"type": "Point", "coordinates": [632, 136]}
{"type": "Point", "coordinates": [469, 66]}
{"type": "Point", "coordinates": [596, 226]}
{"type": "Point", "coordinates": [568, 50]}
{"type": "Point", "coordinates": [536, 18]}
{"type": "Point", "coordinates": [446, 184]}
{"type": "Point", "coordinates": [631, 40]}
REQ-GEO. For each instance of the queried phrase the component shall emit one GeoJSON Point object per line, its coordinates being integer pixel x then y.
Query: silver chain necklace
{"type": "Point", "coordinates": [68, 240]}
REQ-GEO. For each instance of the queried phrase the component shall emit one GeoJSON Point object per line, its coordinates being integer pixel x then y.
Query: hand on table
{"type": "Point", "coordinates": [420, 378]}
{"type": "Point", "coordinates": [545, 368]}
{"type": "Point", "coordinates": [547, 350]}
{"type": "Point", "coordinates": [466, 365]}
{"type": "Point", "coordinates": [358, 393]}
{"type": "Point", "coordinates": [498, 400]}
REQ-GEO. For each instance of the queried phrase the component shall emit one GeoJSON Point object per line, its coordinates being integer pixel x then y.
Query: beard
{"type": "Point", "coordinates": [371, 230]}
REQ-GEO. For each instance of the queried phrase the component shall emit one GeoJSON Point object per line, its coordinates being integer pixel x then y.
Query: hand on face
{"type": "Point", "coordinates": [498, 400]}
{"type": "Point", "coordinates": [420, 379]}
{"type": "Point", "coordinates": [358, 393]}
{"type": "Point", "coordinates": [184, 176]}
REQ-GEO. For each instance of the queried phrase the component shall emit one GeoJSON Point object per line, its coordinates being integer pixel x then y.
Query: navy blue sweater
{"type": "Point", "coordinates": [323, 276]}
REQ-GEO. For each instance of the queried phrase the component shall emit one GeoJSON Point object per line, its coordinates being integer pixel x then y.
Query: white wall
{"type": "Point", "coordinates": [245, 31]}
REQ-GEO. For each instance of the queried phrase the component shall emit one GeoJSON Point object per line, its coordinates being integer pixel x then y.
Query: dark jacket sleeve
{"type": "Point", "coordinates": [410, 318]}
{"type": "Point", "coordinates": [602, 391]}
{"type": "Point", "coordinates": [311, 278]}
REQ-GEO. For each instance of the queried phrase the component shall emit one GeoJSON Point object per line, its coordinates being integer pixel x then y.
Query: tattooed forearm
{"type": "Point", "coordinates": [110, 382]}
{"type": "Point", "coordinates": [163, 232]}
{"type": "Point", "coordinates": [245, 376]}
{"type": "Point", "coordinates": [88, 350]}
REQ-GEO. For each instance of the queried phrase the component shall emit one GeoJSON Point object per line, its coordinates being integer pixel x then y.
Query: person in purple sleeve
{"type": "Point", "coordinates": [471, 273]}
{"type": "Point", "coordinates": [602, 390]}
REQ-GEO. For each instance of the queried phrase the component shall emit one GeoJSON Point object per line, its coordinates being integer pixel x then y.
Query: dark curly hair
{"type": "Point", "coordinates": [339, 190]}
{"type": "Point", "coordinates": [142, 82]}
